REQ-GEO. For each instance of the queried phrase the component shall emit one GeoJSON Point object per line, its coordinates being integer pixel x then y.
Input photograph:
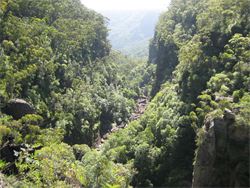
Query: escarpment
{"type": "Point", "coordinates": [222, 154]}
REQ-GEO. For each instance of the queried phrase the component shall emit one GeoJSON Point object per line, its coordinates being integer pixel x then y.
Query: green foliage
{"type": "Point", "coordinates": [203, 48]}
{"type": "Point", "coordinates": [151, 143]}
{"type": "Point", "coordinates": [80, 151]}
{"type": "Point", "coordinates": [243, 117]}
{"type": "Point", "coordinates": [59, 165]}
{"type": "Point", "coordinates": [2, 164]}
{"type": "Point", "coordinates": [50, 165]}
{"type": "Point", "coordinates": [55, 54]}
{"type": "Point", "coordinates": [50, 136]}
{"type": "Point", "coordinates": [25, 130]}
{"type": "Point", "coordinates": [4, 133]}
{"type": "Point", "coordinates": [102, 172]}
{"type": "Point", "coordinates": [190, 36]}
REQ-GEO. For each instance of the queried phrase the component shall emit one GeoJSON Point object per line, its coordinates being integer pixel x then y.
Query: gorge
{"type": "Point", "coordinates": [63, 88]}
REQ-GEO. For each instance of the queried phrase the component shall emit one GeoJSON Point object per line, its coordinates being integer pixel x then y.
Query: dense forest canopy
{"type": "Point", "coordinates": [63, 90]}
{"type": "Point", "coordinates": [55, 56]}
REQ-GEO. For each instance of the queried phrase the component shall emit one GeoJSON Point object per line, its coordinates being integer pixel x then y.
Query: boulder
{"type": "Point", "coordinates": [18, 108]}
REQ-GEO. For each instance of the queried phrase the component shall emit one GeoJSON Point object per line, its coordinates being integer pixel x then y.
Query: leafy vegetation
{"type": "Point", "coordinates": [55, 55]}
{"type": "Point", "coordinates": [63, 70]}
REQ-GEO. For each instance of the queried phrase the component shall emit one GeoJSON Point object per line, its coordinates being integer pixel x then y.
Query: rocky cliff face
{"type": "Point", "coordinates": [222, 156]}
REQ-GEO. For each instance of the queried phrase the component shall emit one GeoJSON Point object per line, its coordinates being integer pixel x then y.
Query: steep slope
{"type": "Point", "coordinates": [44, 45]}
{"type": "Point", "coordinates": [61, 86]}
{"type": "Point", "coordinates": [54, 56]}
{"type": "Point", "coordinates": [201, 49]}
{"type": "Point", "coordinates": [160, 149]}
{"type": "Point", "coordinates": [222, 157]}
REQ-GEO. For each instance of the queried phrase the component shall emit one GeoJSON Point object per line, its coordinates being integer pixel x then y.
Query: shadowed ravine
{"type": "Point", "coordinates": [141, 105]}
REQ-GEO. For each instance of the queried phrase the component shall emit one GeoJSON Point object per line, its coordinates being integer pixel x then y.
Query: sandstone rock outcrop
{"type": "Point", "coordinates": [222, 157]}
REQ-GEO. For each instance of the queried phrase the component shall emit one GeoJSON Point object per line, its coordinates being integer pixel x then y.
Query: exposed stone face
{"type": "Point", "coordinates": [222, 158]}
{"type": "Point", "coordinates": [18, 108]}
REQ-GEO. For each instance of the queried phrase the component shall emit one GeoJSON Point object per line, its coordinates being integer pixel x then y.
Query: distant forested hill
{"type": "Point", "coordinates": [130, 31]}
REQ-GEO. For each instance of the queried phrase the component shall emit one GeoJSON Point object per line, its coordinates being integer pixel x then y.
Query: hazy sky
{"type": "Point", "coordinates": [126, 4]}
